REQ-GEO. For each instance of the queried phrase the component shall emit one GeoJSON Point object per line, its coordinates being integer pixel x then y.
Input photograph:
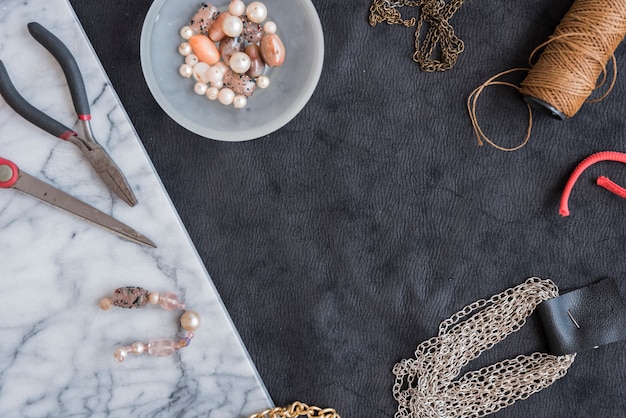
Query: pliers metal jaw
{"type": "Point", "coordinates": [102, 163]}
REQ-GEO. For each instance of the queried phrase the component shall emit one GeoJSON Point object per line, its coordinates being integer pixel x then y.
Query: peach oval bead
{"type": "Point", "coordinates": [204, 49]}
{"type": "Point", "coordinates": [216, 30]}
{"type": "Point", "coordinates": [272, 50]}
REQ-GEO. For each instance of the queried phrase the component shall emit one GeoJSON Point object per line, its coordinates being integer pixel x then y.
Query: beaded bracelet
{"type": "Point", "coordinates": [138, 297]}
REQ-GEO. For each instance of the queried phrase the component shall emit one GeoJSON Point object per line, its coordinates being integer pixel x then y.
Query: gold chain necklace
{"type": "Point", "coordinates": [434, 36]}
{"type": "Point", "coordinates": [297, 409]}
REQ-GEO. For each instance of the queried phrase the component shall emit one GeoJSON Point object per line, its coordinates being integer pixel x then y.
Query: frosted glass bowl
{"type": "Point", "coordinates": [292, 84]}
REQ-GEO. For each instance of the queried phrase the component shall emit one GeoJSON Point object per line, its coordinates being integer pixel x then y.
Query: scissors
{"type": "Point", "coordinates": [12, 177]}
{"type": "Point", "coordinates": [94, 153]}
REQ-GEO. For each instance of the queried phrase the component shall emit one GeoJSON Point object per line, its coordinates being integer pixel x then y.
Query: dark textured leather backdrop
{"type": "Point", "coordinates": [341, 241]}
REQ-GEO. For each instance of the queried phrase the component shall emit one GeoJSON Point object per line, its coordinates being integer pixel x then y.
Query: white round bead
{"type": "Point", "coordinates": [236, 7]}
{"type": "Point", "coordinates": [217, 84]}
{"type": "Point", "coordinates": [200, 88]}
{"type": "Point", "coordinates": [138, 348]}
{"type": "Point", "coordinates": [222, 67]}
{"type": "Point", "coordinates": [214, 74]}
{"type": "Point", "coordinates": [186, 70]}
{"type": "Point", "coordinates": [256, 12]}
{"type": "Point", "coordinates": [263, 81]}
{"type": "Point", "coordinates": [120, 354]}
{"type": "Point", "coordinates": [191, 59]}
{"type": "Point", "coordinates": [226, 96]}
{"type": "Point", "coordinates": [240, 62]}
{"type": "Point", "coordinates": [184, 49]}
{"type": "Point", "coordinates": [186, 32]}
{"type": "Point", "coordinates": [240, 101]}
{"type": "Point", "coordinates": [212, 93]}
{"type": "Point", "coordinates": [200, 71]}
{"type": "Point", "coordinates": [232, 26]}
{"type": "Point", "coordinates": [269, 27]}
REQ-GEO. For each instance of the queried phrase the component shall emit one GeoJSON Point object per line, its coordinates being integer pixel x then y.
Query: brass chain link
{"type": "Point", "coordinates": [436, 46]}
{"type": "Point", "coordinates": [297, 409]}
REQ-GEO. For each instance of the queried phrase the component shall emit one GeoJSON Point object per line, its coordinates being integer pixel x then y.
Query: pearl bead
{"type": "Point", "coordinates": [106, 304]}
{"type": "Point", "coordinates": [200, 71]}
{"type": "Point", "coordinates": [138, 348]}
{"type": "Point", "coordinates": [232, 26]}
{"type": "Point", "coordinates": [236, 7]}
{"type": "Point", "coordinates": [190, 320]}
{"type": "Point", "coordinates": [200, 88]}
{"type": "Point", "coordinates": [214, 74]}
{"type": "Point", "coordinates": [240, 101]}
{"type": "Point", "coordinates": [256, 12]}
{"type": "Point", "coordinates": [226, 96]}
{"type": "Point", "coordinates": [186, 32]}
{"type": "Point", "coordinates": [222, 67]}
{"type": "Point", "coordinates": [263, 81]}
{"type": "Point", "coordinates": [153, 298]}
{"type": "Point", "coordinates": [212, 93]}
{"type": "Point", "coordinates": [240, 62]}
{"type": "Point", "coordinates": [191, 59]}
{"type": "Point", "coordinates": [217, 84]}
{"type": "Point", "coordinates": [184, 49]}
{"type": "Point", "coordinates": [186, 70]}
{"type": "Point", "coordinates": [269, 27]}
{"type": "Point", "coordinates": [120, 354]}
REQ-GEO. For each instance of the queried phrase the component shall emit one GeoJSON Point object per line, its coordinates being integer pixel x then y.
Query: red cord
{"type": "Point", "coordinates": [586, 163]}
{"type": "Point", "coordinates": [611, 186]}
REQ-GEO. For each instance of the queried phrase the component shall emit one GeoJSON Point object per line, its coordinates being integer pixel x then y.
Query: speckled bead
{"type": "Point", "coordinates": [239, 83]}
{"type": "Point", "coordinates": [130, 297]}
{"type": "Point", "coordinates": [252, 32]}
{"type": "Point", "coordinates": [204, 18]}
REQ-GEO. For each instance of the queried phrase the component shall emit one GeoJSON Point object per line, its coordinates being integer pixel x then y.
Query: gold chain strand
{"type": "Point", "coordinates": [433, 32]}
{"type": "Point", "coordinates": [297, 409]}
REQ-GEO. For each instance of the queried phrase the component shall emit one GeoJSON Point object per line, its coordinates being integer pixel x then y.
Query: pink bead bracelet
{"type": "Point", "coordinates": [138, 297]}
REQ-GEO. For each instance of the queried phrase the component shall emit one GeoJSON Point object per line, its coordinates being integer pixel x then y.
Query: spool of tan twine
{"type": "Point", "coordinates": [571, 67]}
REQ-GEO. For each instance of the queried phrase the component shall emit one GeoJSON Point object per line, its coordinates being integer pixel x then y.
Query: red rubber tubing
{"type": "Point", "coordinates": [584, 164]}
{"type": "Point", "coordinates": [611, 186]}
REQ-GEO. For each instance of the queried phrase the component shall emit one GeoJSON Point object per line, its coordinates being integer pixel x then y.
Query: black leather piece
{"type": "Point", "coordinates": [584, 318]}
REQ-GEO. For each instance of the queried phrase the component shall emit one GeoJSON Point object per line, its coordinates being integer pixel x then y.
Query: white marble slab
{"type": "Point", "coordinates": [56, 344]}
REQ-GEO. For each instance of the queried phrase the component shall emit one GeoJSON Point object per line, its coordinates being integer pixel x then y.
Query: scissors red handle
{"type": "Point", "coordinates": [8, 173]}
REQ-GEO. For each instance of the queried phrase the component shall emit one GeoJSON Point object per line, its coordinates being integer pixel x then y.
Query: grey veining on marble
{"type": "Point", "coordinates": [56, 344]}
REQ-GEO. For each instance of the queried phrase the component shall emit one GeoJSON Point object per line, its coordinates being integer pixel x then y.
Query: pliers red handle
{"type": "Point", "coordinates": [95, 154]}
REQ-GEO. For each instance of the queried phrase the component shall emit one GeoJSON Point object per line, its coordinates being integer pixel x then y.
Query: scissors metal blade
{"type": "Point", "coordinates": [110, 173]}
{"type": "Point", "coordinates": [49, 194]}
